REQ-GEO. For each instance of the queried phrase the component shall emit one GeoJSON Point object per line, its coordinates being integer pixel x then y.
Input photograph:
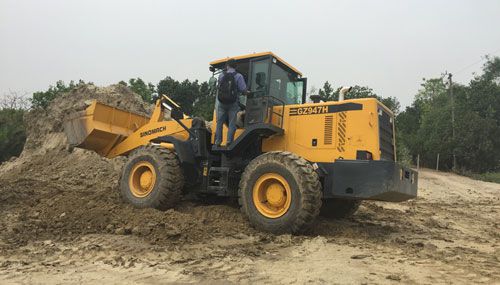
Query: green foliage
{"type": "Point", "coordinates": [327, 93]}
{"type": "Point", "coordinates": [403, 155]}
{"type": "Point", "coordinates": [358, 92]}
{"type": "Point", "coordinates": [193, 97]}
{"type": "Point", "coordinates": [392, 103]}
{"type": "Point", "coordinates": [425, 127]}
{"type": "Point", "coordinates": [488, 176]}
{"type": "Point", "coordinates": [204, 106]}
{"type": "Point", "coordinates": [144, 90]}
{"type": "Point", "coordinates": [12, 133]}
{"type": "Point", "coordinates": [42, 99]}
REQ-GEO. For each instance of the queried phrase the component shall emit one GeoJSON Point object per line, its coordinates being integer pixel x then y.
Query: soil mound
{"type": "Point", "coordinates": [53, 193]}
{"type": "Point", "coordinates": [42, 123]}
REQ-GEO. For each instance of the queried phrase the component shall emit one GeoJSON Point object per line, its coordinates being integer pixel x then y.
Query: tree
{"type": "Point", "coordinates": [391, 103]}
{"type": "Point", "coordinates": [12, 129]}
{"type": "Point", "coordinates": [12, 133]}
{"type": "Point", "coordinates": [194, 98]}
{"type": "Point", "coordinates": [140, 87]}
{"type": "Point", "coordinates": [205, 104]}
{"type": "Point", "coordinates": [407, 125]}
{"type": "Point", "coordinates": [14, 100]}
{"type": "Point", "coordinates": [359, 92]}
{"type": "Point", "coordinates": [425, 127]}
{"type": "Point", "coordinates": [42, 99]}
{"type": "Point", "coordinates": [326, 92]}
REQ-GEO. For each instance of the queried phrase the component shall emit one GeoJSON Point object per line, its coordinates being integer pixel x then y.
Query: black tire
{"type": "Point", "coordinates": [168, 184]}
{"type": "Point", "coordinates": [305, 192]}
{"type": "Point", "coordinates": [339, 208]}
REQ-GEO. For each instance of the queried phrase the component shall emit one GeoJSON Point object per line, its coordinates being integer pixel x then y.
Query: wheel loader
{"type": "Point", "coordinates": [291, 159]}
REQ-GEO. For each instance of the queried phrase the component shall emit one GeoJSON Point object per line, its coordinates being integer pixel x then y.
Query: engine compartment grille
{"type": "Point", "coordinates": [386, 134]}
{"type": "Point", "coordinates": [328, 130]}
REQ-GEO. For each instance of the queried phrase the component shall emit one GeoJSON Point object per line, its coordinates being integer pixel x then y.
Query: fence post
{"type": "Point", "coordinates": [437, 162]}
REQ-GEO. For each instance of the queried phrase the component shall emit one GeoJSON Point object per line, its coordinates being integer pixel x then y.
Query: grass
{"type": "Point", "coordinates": [488, 176]}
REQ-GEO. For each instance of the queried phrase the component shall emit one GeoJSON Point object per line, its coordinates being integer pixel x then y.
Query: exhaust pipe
{"type": "Point", "coordinates": [344, 90]}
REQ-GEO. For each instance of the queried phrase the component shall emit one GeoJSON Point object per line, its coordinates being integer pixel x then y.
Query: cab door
{"type": "Point", "coordinates": [255, 107]}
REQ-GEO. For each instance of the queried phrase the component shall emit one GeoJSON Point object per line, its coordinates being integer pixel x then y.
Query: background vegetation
{"type": "Point", "coordinates": [424, 128]}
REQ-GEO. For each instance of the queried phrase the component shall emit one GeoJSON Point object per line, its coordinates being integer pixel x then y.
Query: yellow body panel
{"type": "Point", "coordinates": [338, 135]}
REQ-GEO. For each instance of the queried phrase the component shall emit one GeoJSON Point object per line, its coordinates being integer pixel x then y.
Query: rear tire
{"type": "Point", "coordinates": [152, 178]}
{"type": "Point", "coordinates": [339, 208]}
{"type": "Point", "coordinates": [280, 193]}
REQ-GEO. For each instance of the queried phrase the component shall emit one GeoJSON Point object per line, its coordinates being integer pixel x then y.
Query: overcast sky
{"type": "Point", "coordinates": [387, 45]}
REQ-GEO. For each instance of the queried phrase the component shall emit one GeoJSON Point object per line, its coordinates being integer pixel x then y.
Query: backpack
{"type": "Point", "coordinates": [228, 89]}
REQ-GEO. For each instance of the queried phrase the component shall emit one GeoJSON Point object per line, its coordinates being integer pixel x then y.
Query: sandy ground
{"type": "Point", "coordinates": [450, 234]}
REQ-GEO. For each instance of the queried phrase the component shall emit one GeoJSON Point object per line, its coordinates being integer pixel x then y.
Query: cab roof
{"type": "Point", "coordinates": [254, 55]}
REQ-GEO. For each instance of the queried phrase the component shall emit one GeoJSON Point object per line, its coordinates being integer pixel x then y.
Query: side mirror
{"type": "Point", "coordinates": [211, 68]}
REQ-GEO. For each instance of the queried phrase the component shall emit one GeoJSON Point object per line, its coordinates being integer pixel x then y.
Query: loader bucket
{"type": "Point", "coordinates": [100, 127]}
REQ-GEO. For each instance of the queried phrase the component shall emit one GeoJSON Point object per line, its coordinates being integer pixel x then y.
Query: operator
{"type": "Point", "coordinates": [231, 85]}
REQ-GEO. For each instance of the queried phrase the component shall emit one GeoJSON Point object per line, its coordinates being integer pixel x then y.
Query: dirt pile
{"type": "Point", "coordinates": [42, 124]}
{"type": "Point", "coordinates": [51, 192]}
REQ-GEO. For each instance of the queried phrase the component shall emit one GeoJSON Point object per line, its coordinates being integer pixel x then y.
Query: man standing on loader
{"type": "Point", "coordinates": [231, 85]}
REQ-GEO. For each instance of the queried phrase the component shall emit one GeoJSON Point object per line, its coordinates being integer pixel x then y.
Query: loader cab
{"type": "Point", "coordinates": [267, 75]}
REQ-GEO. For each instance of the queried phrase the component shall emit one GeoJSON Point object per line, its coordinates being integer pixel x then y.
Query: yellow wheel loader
{"type": "Point", "coordinates": [290, 161]}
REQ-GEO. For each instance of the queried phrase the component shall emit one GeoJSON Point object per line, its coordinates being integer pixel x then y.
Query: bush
{"type": "Point", "coordinates": [42, 99]}
{"type": "Point", "coordinates": [12, 133]}
{"type": "Point", "coordinates": [488, 176]}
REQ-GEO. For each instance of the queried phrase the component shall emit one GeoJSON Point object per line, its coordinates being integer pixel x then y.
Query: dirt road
{"type": "Point", "coordinates": [450, 234]}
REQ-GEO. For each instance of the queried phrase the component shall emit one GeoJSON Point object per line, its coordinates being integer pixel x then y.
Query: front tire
{"type": "Point", "coordinates": [152, 178]}
{"type": "Point", "coordinates": [280, 193]}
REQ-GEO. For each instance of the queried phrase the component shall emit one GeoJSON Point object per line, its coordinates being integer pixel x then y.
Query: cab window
{"type": "Point", "coordinates": [260, 70]}
{"type": "Point", "coordinates": [294, 91]}
{"type": "Point", "coordinates": [284, 87]}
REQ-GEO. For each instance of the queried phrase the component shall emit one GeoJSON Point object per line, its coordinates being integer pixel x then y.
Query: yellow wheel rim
{"type": "Point", "coordinates": [272, 195]}
{"type": "Point", "coordinates": [142, 179]}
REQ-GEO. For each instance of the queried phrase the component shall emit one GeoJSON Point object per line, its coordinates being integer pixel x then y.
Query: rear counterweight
{"type": "Point", "coordinates": [368, 180]}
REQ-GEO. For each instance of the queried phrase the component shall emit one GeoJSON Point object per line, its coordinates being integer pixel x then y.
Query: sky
{"type": "Point", "coordinates": [386, 45]}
